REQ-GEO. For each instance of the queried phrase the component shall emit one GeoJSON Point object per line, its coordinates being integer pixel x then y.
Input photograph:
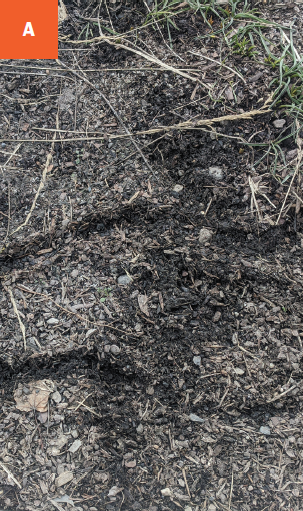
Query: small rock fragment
{"type": "Point", "coordinates": [150, 390]}
{"type": "Point", "coordinates": [197, 361]}
{"type": "Point", "coordinates": [130, 464]}
{"type": "Point", "coordinates": [217, 316]}
{"type": "Point", "coordinates": [216, 173]}
{"type": "Point", "coordinates": [114, 491]}
{"type": "Point", "coordinates": [279, 123]}
{"type": "Point", "coordinates": [166, 492]}
{"type": "Point", "coordinates": [56, 396]}
{"type": "Point", "coordinates": [229, 94]}
{"type": "Point", "coordinates": [124, 280]}
{"type": "Point", "coordinates": [205, 236]}
{"type": "Point", "coordinates": [239, 371]}
{"type": "Point", "coordinates": [75, 446]}
{"type": "Point", "coordinates": [195, 418]}
{"type": "Point", "coordinates": [177, 188]}
{"type": "Point", "coordinates": [265, 430]}
{"type": "Point", "coordinates": [212, 507]}
{"type": "Point", "coordinates": [64, 478]}
{"type": "Point", "coordinates": [140, 429]}
{"type": "Point", "coordinates": [53, 321]}
{"type": "Point", "coordinates": [74, 273]}
{"type": "Point", "coordinates": [115, 349]}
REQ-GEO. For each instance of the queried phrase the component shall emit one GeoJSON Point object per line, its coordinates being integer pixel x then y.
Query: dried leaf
{"type": "Point", "coordinates": [36, 399]}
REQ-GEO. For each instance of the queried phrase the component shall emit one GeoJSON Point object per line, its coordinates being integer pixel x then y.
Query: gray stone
{"type": "Point", "coordinates": [177, 188]}
{"type": "Point", "coordinates": [140, 429]}
{"type": "Point", "coordinates": [64, 478]}
{"type": "Point", "coordinates": [265, 430]}
{"type": "Point", "coordinates": [279, 123]}
{"type": "Point", "coordinates": [115, 349]}
{"type": "Point", "coordinates": [124, 280]}
{"type": "Point", "coordinates": [197, 361]}
{"type": "Point", "coordinates": [75, 446]}
{"type": "Point", "coordinates": [53, 321]}
{"type": "Point", "coordinates": [56, 396]}
{"type": "Point", "coordinates": [216, 173]}
{"type": "Point", "coordinates": [205, 236]}
{"type": "Point", "coordinates": [195, 418]}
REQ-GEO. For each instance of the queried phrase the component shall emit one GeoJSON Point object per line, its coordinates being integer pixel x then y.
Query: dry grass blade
{"type": "Point", "coordinates": [62, 12]}
{"type": "Point", "coordinates": [155, 60]}
{"type": "Point", "coordinates": [219, 64]}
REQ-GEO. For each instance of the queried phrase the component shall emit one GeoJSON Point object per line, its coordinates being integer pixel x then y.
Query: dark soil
{"type": "Point", "coordinates": [183, 387]}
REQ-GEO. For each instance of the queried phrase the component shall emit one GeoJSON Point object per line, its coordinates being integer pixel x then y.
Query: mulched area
{"type": "Point", "coordinates": [150, 310]}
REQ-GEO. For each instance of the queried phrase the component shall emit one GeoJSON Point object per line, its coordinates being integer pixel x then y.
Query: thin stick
{"type": "Point", "coordinates": [231, 489]}
{"type": "Point", "coordinates": [282, 394]}
{"type": "Point", "coordinates": [82, 402]}
{"type": "Point", "coordinates": [185, 480]}
{"type": "Point", "coordinates": [22, 327]}
{"type": "Point", "coordinates": [11, 155]}
{"type": "Point", "coordinates": [10, 475]}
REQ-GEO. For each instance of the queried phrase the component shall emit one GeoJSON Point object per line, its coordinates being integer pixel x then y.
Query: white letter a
{"type": "Point", "coordinates": [28, 29]}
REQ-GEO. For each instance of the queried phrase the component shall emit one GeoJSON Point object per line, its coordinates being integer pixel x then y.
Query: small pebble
{"type": "Point", "coordinates": [115, 349]}
{"type": "Point", "coordinates": [124, 280]}
{"type": "Point", "coordinates": [216, 173]}
{"type": "Point", "coordinates": [140, 429]}
{"type": "Point", "coordinates": [166, 492]}
{"type": "Point", "coordinates": [279, 123]}
{"type": "Point", "coordinates": [239, 371]}
{"type": "Point", "coordinates": [195, 418]}
{"type": "Point", "coordinates": [205, 236]}
{"type": "Point", "coordinates": [265, 430]}
{"type": "Point", "coordinates": [177, 188]}
{"type": "Point", "coordinates": [56, 396]}
{"type": "Point", "coordinates": [197, 361]}
{"type": "Point", "coordinates": [53, 321]}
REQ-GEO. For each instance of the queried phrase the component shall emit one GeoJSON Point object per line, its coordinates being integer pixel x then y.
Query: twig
{"type": "Point", "coordinates": [185, 480]}
{"type": "Point", "coordinates": [22, 327]}
{"type": "Point", "coordinates": [282, 394]}
{"type": "Point", "coordinates": [225, 393]}
{"type": "Point", "coordinates": [11, 155]}
{"type": "Point", "coordinates": [231, 489]}
{"type": "Point", "coordinates": [10, 475]}
{"type": "Point", "coordinates": [82, 402]}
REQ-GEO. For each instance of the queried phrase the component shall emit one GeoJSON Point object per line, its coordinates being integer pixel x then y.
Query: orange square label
{"type": "Point", "coordinates": [29, 29]}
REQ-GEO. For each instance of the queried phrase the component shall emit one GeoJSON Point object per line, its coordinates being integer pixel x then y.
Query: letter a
{"type": "Point", "coordinates": [28, 29]}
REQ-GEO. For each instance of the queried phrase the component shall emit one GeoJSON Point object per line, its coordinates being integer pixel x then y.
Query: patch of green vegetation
{"type": "Point", "coordinates": [243, 47]}
{"type": "Point", "coordinates": [105, 293]}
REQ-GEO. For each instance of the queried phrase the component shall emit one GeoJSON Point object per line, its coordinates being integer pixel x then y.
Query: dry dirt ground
{"type": "Point", "coordinates": [150, 286]}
